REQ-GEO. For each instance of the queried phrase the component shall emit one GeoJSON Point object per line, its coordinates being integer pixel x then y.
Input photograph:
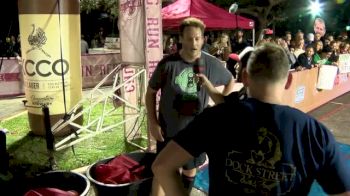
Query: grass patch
{"type": "Point", "coordinates": [28, 152]}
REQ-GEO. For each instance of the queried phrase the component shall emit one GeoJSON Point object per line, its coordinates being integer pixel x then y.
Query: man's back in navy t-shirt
{"type": "Point", "coordinates": [265, 149]}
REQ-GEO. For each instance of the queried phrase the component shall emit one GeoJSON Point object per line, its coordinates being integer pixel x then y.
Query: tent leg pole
{"type": "Point", "coordinates": [253, 37]}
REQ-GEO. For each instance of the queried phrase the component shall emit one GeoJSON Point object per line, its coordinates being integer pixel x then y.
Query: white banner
{"type": "Point", "coordinates": [131, 24]}
{"type": "Point", "coordinates": [11, 80]}
{"type": "Point", "coordinates": [95, 67]}
{"type": "Point", "coordinates": [326, 77]}
{"type": "Point", "coordinates": [130, 92]}
{"type": "Point", "coordinates": [344, 63]}
{"type": "Point", "coordinates": [154, 47]}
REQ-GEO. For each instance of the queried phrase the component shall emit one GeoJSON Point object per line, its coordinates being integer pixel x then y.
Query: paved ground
{"type": "Point", "coordinates": [336, 116]}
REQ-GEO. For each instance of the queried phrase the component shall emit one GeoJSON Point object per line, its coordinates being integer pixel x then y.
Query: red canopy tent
{"type": "Point", "coordinates": [215, 18]}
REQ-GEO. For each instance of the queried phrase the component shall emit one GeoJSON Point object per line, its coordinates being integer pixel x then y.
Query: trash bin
{"type": "Point", "coordinates": [63, 180]}
{"type": "Point", "coordinates": [135, 188]}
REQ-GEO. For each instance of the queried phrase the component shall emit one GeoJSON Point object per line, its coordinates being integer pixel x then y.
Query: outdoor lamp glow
{"type": "Point", "coordinates": [315, 8]}
{"type": "Point", "coordinates": [233, 8]}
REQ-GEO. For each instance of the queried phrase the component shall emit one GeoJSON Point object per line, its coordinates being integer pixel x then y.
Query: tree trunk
{"type": "Point", "coordinates": [262, 23]}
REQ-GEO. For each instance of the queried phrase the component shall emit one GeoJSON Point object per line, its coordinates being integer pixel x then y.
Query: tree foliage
{"type": "Point", "coordinates": [263, 12]}
{"type": "Point", "coordinates": [109, 6]}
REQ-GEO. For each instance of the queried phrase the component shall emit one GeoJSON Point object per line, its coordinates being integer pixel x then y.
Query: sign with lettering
{"type": "Point", "coordinates": [299, 94]}
{"type": "Point", "coordinates": [10, 78]}
{"type": "Point", "coordinates": [95, 67]}
{"type": "Point", "coordinates": [51, 54]}
{"type": "Point", "coordinates": [344, 63]}
{"type": "Point", "coordinates": [154, 44]}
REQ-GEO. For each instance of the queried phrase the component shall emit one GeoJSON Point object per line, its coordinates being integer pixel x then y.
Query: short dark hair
{"type": "Point", "coordinates": [268, 63]}
{"type": "Point", "coordinates": [327, 49]}
{"type": "Point", "coordinates": [191, 22]}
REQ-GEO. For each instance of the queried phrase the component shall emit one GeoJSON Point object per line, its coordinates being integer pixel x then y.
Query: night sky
{"type": "Point", "coordinates": [8, 18]}
{"type": "Point", "coordinates": [335, 12]}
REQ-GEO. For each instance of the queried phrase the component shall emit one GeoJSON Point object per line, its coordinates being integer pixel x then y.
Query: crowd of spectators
{"type": "Point", "coordinates": [304, 51]}
{"type": "Point", "coordinates": [313, 50]}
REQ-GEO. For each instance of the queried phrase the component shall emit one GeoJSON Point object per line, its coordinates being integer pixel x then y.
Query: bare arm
{"type": "Point", "coordinates": [151, 105]}
{"type": "Point", "coordinates": [154, 126]}
{"type": "Point", "coordinates": [214, 94]}
{"type": "Point", "coordinates": [165, 168]}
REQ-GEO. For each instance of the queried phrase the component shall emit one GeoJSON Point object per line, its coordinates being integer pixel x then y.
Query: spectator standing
{"type": "Point", "coordinates": [221, 48]}
{"type": "Point", "coordinates": [84, 46]}
{"type": "Point", "coordinates": [335, 51]}
{"type": "Point", "coordinates": [288, 38]}
{"type": "Point", "coordinates": [238, 43]}
{"type": "Point", "coordinates": [206, 45]}
{"type": "Point", "coordinates": [170, 46]}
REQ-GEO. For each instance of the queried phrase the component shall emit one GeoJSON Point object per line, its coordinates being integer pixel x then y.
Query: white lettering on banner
{"type": "Point", "coordinates": [128, 73]}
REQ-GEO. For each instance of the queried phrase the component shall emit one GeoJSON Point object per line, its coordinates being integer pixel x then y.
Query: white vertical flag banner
{"type": "Point", "coordinates": [132, 47]}
{"type": "Point", "coordinates": [154, 46]}
{"type": "Point", "coordinates": [131, 24]}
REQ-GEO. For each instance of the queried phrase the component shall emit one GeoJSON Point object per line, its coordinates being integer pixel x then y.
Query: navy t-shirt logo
{"type": "Point", "coordinates": [262, 169]}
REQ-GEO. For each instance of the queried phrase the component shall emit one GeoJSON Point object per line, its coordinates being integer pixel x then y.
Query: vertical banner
{"type": "Point", "coordinates": [131, 23]}
{"type": "Point", "coordinates": [154, 46]}
{"type": "Point", "coordinates": [131, 93]}
{"type": "Point", "coordinates": [50, 32]}
{"type": "Point", "coordinates": [132, 39]}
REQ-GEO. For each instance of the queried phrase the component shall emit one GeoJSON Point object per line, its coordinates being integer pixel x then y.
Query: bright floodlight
{"type": "Point", "coordinates": [233, 8]}
{"type": "Point", "coordinates": [315, 8]}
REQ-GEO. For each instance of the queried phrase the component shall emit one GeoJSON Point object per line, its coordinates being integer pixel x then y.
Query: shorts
{"type": "Point", "coordinates": [194, 163]}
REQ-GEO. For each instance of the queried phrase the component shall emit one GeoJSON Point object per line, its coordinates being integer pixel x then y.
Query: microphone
{"type": "Point", "coordinates": [199, 67]}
